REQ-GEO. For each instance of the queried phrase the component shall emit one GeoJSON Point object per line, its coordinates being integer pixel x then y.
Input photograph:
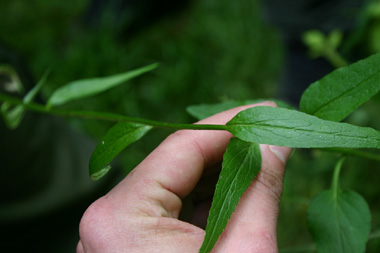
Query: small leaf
{"type": "Point", "coordinates": [13, 85]}
{"type": "Point", "coordinates": [335, 39]}
{"type": "Point", "coordinates": [315, 40]}
{"type": "Point", "coordinates": [88, 87]}
{"type": "Point", "coordinates": [34, 91]}
{"type": "Point", "coordinates": [117, 138]}
{"type": "Point", "coordinates": [241, 163]}
{"type": "Point", "coordinates": [339, 93]}
{"type": "Point", "coordinates": [13, 115]}
{"type": "Point", "coordinates": [284, 127]}
{"type": "Point", "coordinates": [203, 111]}
{"type": "Point", "coordinates": [341, 223]}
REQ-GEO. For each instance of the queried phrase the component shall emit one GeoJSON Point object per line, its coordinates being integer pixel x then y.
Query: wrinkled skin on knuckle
{"type": "Point", "coordinates": [271, 183]}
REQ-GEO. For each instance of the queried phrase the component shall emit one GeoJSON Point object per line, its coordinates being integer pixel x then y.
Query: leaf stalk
{"type": "Point", "coordinates": [335, 58]}
{"type": "Point", "coordinates": [335, 182]}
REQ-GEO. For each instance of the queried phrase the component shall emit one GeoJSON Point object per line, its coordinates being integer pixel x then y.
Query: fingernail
{"type": "Point", "coordinates": [279, 153]}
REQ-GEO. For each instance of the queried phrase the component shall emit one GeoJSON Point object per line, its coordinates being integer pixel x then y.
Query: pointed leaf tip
{"type": "Point", "coordinates": [99, 174]}
{"type": "Point", "coordinates": [339, 93]}
{"type": "Point", "coordinates": [241, 163]}
{"type": "Point", "coordinates": [116, 140]}
{"type": "Point", "coordinates": [89, 87]}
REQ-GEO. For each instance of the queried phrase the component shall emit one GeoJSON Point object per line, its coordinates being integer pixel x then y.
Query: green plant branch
{"type": "Point", "coordinates": [106, 116]}
{"type": "Point", "coordinates": [335, 58]}
{"type": "Point", "coordinates": [335, 181]}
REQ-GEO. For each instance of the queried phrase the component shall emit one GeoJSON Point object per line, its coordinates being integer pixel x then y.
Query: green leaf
{"type": "Point", "coordinates": [339, 93]}
{"type": "Point", "coordinates": [315, 40]}
{"type": "Point", "coordinates": [203, 111]}
{"type": "Point", "coordinates": [88, 87]}
{"type": "Point", "coordinates": [241, 163]}
{"type": "Point", "coordinates": [14, 85]}
{"type": "Point", "coordinates": [117, 138]}
{"type": "Point", "coordinates": [339, 223]}
{"type": "Point", "coordinates": [13, 115]}
{"type": "Point", "coordinates": [34, 91]}
{"type": "Point", "coordinates": [284, 127]}
{"type": "Point", "coordinates": [334, 39]}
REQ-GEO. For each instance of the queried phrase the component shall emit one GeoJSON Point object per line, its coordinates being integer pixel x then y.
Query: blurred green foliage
{"type": "Point", "coordinates": [212, 51]}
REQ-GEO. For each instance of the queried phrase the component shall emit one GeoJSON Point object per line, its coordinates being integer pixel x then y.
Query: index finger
{"type": "Point", "coordinates": [177, 163]}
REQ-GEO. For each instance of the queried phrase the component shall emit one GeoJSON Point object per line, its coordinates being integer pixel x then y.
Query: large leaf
{"type": "Point", "coordinates": [284, 127]}
{"type": "Point", "coordinates": [88, 87]}
{"type": "Point", "coordinates": [117, 138]}
{"type": "Point", "coordinates": [338, 94]}
{"type": "Point", "coordinates": [339, 222]}
{"type": "Point", "coordinates": [241, 163]}
{"type": "Point", "coordinates": [203, 111]}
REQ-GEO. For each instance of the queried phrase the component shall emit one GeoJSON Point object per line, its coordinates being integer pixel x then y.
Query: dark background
{"type": "Point", "coordinates": [209, 51]}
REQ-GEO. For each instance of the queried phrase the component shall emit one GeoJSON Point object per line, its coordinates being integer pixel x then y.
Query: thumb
{"type": "Point", "coordinates": [253, 225]}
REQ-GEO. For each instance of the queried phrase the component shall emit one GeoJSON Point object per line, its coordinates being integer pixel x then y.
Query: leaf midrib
{"type": "Point", "coordinates": [315, 112]}
{"type": "Point", "coordinates": [234, 179]}
{"type": "Point", "coordinates": [113, 144]}
{"type": "Point", "coordinates": [268, 127]}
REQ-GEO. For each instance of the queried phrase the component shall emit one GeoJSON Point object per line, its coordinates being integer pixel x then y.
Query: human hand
{"type": "Point", "coordinates": [141, 213]}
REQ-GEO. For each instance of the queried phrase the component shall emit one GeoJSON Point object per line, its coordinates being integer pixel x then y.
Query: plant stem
{"type": "Point", "coordinates": [106, 116]}
{"type": "Point", "coordinates": [335, 58]}
{"type": "Point", "coordinates": [335, 181]}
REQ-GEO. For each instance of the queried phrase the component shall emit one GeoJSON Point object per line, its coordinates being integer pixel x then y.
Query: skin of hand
{"type": "Point", "coordinates": [141, 213]}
